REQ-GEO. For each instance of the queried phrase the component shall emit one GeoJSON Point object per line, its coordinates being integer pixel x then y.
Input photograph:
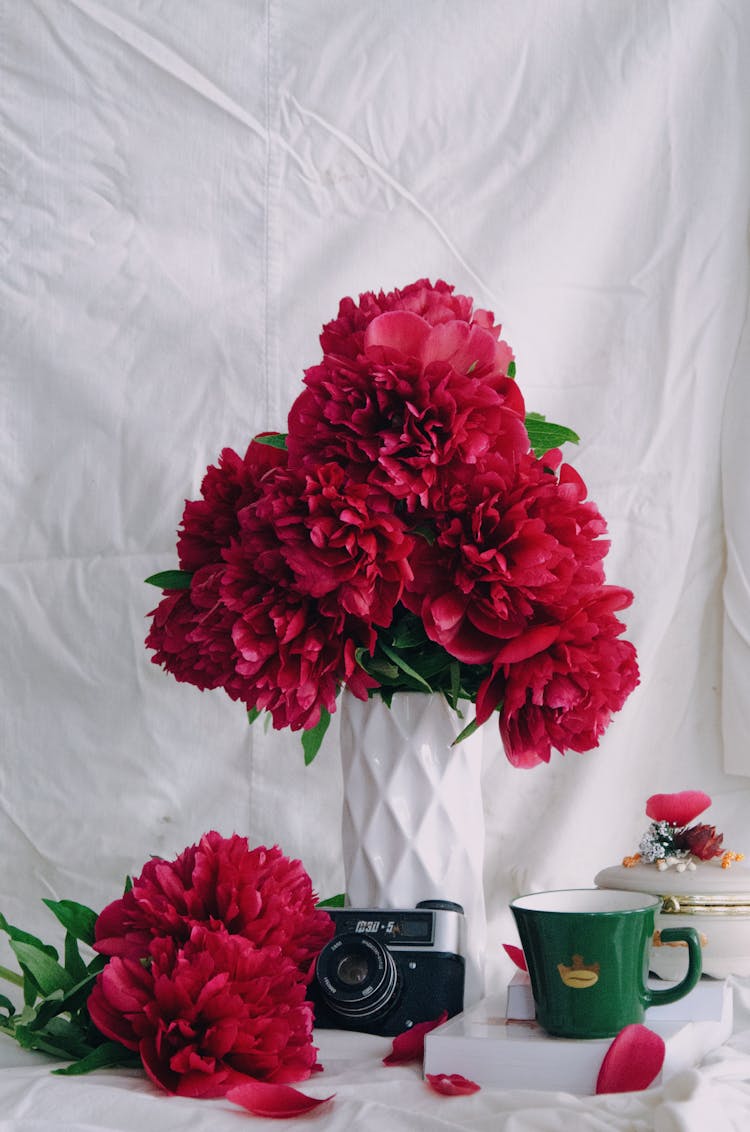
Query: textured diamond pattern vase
{"type": "Point", "coordinates": [413, 819]}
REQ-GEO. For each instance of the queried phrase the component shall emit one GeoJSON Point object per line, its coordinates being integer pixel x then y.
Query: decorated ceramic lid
{"type": "Point", "coordinates": [686, 864]}
{"type": "Point", "coordinates": [707, 885]}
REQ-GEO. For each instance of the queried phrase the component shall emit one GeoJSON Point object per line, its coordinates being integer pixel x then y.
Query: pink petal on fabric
{"type": "Point", "coordinates": [451, 1084]}
{"type": "Point", "coordinates": [632, 1062]}
{"type": "Point", "coordinates": [275, 1101]}
{"type": "Point", "coordinates": [517, 955]}
{"type": "Point", "coordinates": [677, 809]}
{"type": "Point", "coordinates": [409, 1046]}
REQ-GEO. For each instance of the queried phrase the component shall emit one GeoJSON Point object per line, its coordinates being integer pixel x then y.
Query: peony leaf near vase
{"type": "Point", "coordinates": [313, 737]}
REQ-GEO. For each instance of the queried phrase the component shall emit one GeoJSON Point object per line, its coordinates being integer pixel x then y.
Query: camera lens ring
{"type": "Point", "coordinates": [357, 976]}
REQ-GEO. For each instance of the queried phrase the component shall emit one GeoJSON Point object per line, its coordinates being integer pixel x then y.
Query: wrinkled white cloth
{"type": "Point", "coordinates": [715, 1095]}
{"type": "Point", "coordinates": [187, 191]}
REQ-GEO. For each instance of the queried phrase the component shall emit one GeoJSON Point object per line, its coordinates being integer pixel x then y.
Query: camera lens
{"type": "Point", "coordinates": [353, 970]}
{"type": "Point", "coordinates": [357, 976]}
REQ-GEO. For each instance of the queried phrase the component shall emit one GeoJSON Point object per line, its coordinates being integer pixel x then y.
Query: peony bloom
{"type": "Point", "coordinates": [517, 546]}
{"type": "Point", "coordinates": [435, 303]}
{"type": "Point", "coordinates": [210, 523]}
{"type": "Point", "coordinates": [418, 401]}
{"type": "Point", "coordinates": [208, 1013]}
{"type": "Point", "coordinates": [342, 540]}
{"type": "Point", "coordinates": [558, 686]}
{"type": "Point", "coordinates": [191, 635]}
{"type": "Point", "coordinates": [223, 885]}
{"type": "Point", "coordinates": [294, 652]}
{"type": "Point", "coordinates": [701, 840]}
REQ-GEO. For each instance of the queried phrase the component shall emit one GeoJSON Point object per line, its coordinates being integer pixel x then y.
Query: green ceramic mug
{"type": "Point", "coordinates": [587, 952]}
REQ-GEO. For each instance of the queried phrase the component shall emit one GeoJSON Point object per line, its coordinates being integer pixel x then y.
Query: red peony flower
{"type": "Point", "coordinates": [191, 635]}
{"type": "Point", "coordinates": [342, 540]}
{"type": "Point", "coordinates": [210, 523]}
{"type": "Point", "coordinates": [293, 653]}
{"type": "Point", "coordinates": [435, 303]}
{"type": "Point", "coordinates": [223, 885]}
{"type": "Point", "coordinates": [558, 686]}
{"type": "Point", "coordinates": [417, 401]}
{"type": "Point", "coordinates": [701, 840]}
{"type": "Point", "coordinates": [209, 1013]}
{"type": "Point", "coordinates": [518, 545]}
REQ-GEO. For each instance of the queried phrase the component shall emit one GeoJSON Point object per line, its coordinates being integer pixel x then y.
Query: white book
{"type": "Point", "coordinates": [491, 1049]}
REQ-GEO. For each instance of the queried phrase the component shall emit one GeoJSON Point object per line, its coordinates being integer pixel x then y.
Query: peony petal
{"type": "Point", "coordinates": [632, 1062]}
{"type": "Point", "coordinates": [527, 644]}
{"type": "Point", "coordinates": [451, 1084]}
{"type": "Point", "coordinates": [517, 955]}
{"type": "Point", "coordinates": [677, 809]}
{"type": "Point", "coordinates": [409, 1046]}
{"type": "Point", "coordinates": [263, 1099]}
{"type": "Point", "coordinates": [399, 331]}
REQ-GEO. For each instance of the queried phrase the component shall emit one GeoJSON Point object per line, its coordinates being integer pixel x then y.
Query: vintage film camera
{"type": "Point", "coordinates": [386, 969]}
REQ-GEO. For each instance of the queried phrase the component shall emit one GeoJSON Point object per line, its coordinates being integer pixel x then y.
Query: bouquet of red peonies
{"type": "Point", "coordinates": [415, 529]}
{"type": "Point", "coordinates": [199, 974]}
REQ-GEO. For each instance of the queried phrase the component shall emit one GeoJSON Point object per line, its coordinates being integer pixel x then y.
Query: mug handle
{"type": "Point", "coordinates": [695, 967]}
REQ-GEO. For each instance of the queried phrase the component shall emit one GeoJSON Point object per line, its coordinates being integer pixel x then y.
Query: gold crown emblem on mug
{"type": "Point", "coordinates": [579, 974]}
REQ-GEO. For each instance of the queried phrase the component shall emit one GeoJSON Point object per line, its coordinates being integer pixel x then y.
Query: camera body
{"type": "Point", "coordinates": [386, 969]}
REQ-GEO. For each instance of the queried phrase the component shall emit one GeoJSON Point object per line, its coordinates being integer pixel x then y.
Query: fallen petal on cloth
{"type": "Point", "coordinates": [517, 955]}
{"type": "Point", "coordinates": [451, 1084]}
{"type": "Point", "coordinates": [263, 1099]}
{"type": "Point", "coordinates": [632, 1062]}
{"type": "Point", "coordinates": [409, 1046]}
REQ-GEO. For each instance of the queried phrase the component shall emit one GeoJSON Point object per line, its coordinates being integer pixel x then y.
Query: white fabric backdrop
{"type": "Point", "coordinates": [188, 190]}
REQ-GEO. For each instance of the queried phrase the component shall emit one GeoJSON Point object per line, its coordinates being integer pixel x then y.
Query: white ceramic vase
{"type": "Point", "coordinates": [413, 818]}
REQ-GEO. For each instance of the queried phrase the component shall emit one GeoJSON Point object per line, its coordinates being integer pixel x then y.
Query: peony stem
{"type": "Point", "coordinates": [11, 976]}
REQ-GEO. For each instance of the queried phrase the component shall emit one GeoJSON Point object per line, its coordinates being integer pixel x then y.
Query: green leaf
{"type": "Point", "coordinates": [272, 439]}
{"type": "Point", "coordinates": [74, 964]}
{"type": "Point", "coordinates": [26, 937]}
{"type": "Point", "coordinates": [62, 1039]}
{"type": "Point", "coordinates": [103, 1057]}
{"type": "Point", "coordinates": [425, 532]}
{"type": "Point", "coordinates": [6, 1004]}
{"type": "Point", "coordinates": [128, 885]}
{"type": "Point", "coordinates": [79, 920]}
{"type": "Point", "coordinates": [312, 738]}
{"type": "Point", "coordinates": [455, 688]}
{"type": "Point", "coordinates": [543, 434]}
{"type": "Point", "coordinates": [97, 964]}
{"type": "Point", "coordinates": [338, 901]}
{"type": "Point", "coordinates": [408, 633]}
{"type": "Point", "coordinates": [511, 370]}
{"type": "Point", "coordinates": [467, 731]}
{"type": "Point", "coordinates": [45, 971]}
{"type": "Point", "coordinates": [252, 714]}
{"type": "Point", "coordinates": [381, 669]}
{"type": "Point", "coordinates": [171, 580]}
{"type": "Point", "coordinates": [401, 663]}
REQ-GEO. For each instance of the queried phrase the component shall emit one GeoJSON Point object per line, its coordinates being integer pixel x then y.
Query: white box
{"type": "Point", "coordinates": [485, 1046]}
{"type": "Point", "coordinates": [704, 1003]}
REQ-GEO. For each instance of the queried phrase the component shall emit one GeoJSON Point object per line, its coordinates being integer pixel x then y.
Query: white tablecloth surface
{"type": "Point", "coordinates": [713, 1097]}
